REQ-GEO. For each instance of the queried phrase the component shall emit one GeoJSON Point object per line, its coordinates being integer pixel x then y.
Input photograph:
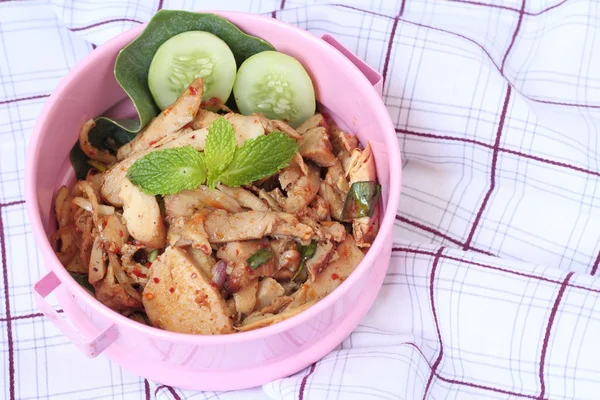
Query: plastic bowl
{"type": "Point", "coordinates": [351, 92]}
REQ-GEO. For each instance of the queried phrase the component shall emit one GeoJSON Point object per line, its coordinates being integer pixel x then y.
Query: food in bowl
{"type": "Point", "coordinates": [219, 214]}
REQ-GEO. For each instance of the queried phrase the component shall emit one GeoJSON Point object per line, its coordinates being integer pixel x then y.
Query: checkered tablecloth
{"type": "Point", "coordinates": [491, 292]}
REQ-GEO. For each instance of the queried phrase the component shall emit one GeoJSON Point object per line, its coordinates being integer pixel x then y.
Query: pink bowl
{"type": "Point", "coordinates": [351, 92]}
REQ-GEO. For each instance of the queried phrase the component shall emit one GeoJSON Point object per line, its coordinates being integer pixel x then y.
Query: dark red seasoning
{"type": "Point", "coordinates": [156, 280]}
{"type": "Point", "coordinates": [148, 264]}
{"type": "Point", "coordinates": [121, 233]}
{"type": "Point", "coordinates": [172, 290]}
{"type": "Point", "coordinates": [192, 91]}
{"type": "Point", "coordinates": [212, 102]}
{"type": "Point", "coordinates": [152, 142]}
{"type": "Point", "coordinates": [334, 276]}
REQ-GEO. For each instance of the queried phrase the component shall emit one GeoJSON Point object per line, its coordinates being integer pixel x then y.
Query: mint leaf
{"type": "Point", "coordinates": [259, 158]}
{"type": "Point", "coordinates": [219, 149]}
{"type": "Point", "coordinates": [168, 171]}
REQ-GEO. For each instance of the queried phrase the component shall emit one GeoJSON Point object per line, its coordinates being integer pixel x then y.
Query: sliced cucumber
{"type": "Point", "coordinates": [275, 85]}
{"type": "Point", "coordinates": [187, 56]}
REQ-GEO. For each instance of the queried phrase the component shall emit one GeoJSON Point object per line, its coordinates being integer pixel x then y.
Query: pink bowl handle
{"type": "Point", "coordinates": [371, 74]}
{"type": "Point", "coordinates": [91, 347]}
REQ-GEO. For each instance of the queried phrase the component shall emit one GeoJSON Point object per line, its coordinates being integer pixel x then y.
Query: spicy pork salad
{"type": "Point", "coordinates": [230, 203]}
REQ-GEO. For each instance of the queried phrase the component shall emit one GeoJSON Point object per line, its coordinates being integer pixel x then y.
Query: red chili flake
{"type": "Point", "coordinates": [121, 233]}
{"type": "Point", "coordinates": [91, 153]}
{"type": "Point", "coordinates": [152, 142]}
{"type": "Point", "coordinates": [193, 91]}
{"type": "Point", "coordinates": [148, 264]}
{"type": "Point", "coordinates": [137, 272]}
{"type": "Point", "coordinates": [172, 290]}
{"type": "Point", "coordinates": [334, 276]}
{"type": "Point", "coordinates": [213, 284]}
{"type": "Point", "coordinates": [193, 137]}
{"type": "Point", "coordinates": [194, 275]}
{"type": "Point", "coordinates": [156, 280]}
{"type": "Point", "coordinates": [202, 300]}
{"type": "Point", "coordinates": [148, 296]}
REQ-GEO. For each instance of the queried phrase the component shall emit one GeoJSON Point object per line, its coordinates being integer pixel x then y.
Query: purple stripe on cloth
{"type": "Point", "coordinates": [514, 36]}
{"type": "Point", "coordinates": [440, 234]}
{"type": "Point", "coordinates": [303, 382]}
{"type": "Point", "coordinates": [492, 170]}
{"type": "Point", "coordinates": [553, 312]}
{"type": "Point", "coordinates": [26, 316]}
{"type": "Point", "coordinates": [428, 229]}
{"type": "Point", "coordinates": [388, 53]}
{"type": "Point", "coordinates": [82, 28]}
{"type": "Point", "coordinates": [147, 389]}
{"type": "Point", "coordinates": [595, 266]}
{"type": "Point", "coordinates": [39, 96]}
{"type": "Point", "coordinates": [173, 393]}
{"type": "Point", "coordinates": [500, 149]}
{"type": "Point", "coordinates": [12, 203]}
{"type": "Point", "coordinates": [469, 384]}
{"type": "Point", "coordinates": [438, 360]}
{"type": "Point", "coordinates": [478, 3]}
{"type": "Point", "coordinates": [160, 5]}
{"type": "Point", "coordinates": [9, 332]}
{"type": "Point", "coordinates": [552, 162]}
{"type": "Point", "coordinates": [546, 9]}
{"type": "Point", "coordinates": [558, 103]}
{"type": "Point", "coordinates": [281, 6]}
{"type": "Point", "coordinates": [487, 266]}
{"type": "Point", "coordinates": [444, 137]}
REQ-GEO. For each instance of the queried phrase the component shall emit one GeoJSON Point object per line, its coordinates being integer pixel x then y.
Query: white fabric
{"type": "Point", "coordinates": [491, 291]}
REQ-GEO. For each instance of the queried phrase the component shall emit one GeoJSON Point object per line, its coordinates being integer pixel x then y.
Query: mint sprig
{"type": "Point", "coordinates": [219, 149]}
{"type": "Point", "coordinates": [168, 171]}
{"type": "Point", "coordinates": [259, 158]}
{"type": "Point", "coordinates": [171, 171]}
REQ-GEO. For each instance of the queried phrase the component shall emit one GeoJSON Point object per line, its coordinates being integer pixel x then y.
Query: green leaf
{"type": "Point", "coordinates": [259, 158]}
{"type": "Point", "coordinates": [131, 72]}
{"type": "Point", "coordinates": [82, 279]}
{"type": "Point", "coordinates": [308, 251]}
{"type": "Point", "coordinates": [361, 200]}
{"type": "Point", "coordinates": [259, 258]}
{"type": "Point", "coordinates": [219, 149]}
{"type": "Point", "coordinates": [168, 171]}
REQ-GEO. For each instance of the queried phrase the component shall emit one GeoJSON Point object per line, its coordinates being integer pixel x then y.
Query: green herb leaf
{"type": "Point", "coordinates": [259, 258]}
{"type": "Point", "coordinates": [152, 255]}
{"type": "Point", "coordinates": [219, 149]}
{"type": "Point", "coordinates": [361, 200]}
{"type": "Point", "coordinates": [259, 158]}
{"type": "Point", "coordinates": [308, 251]}
{"type": "Point", "coordinates": [82, 279]}
{"type": "Point", "coordinates": [168, 171]}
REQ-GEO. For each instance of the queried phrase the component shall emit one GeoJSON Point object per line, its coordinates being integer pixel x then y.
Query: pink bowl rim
{"type": "Point", "coordinates": [386, 227]}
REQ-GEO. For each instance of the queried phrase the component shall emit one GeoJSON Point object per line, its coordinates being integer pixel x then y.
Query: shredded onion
{"type": "Point", "coordinates": [83, 203]}
{"type": "Point", "coordinates": [122, 278]}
